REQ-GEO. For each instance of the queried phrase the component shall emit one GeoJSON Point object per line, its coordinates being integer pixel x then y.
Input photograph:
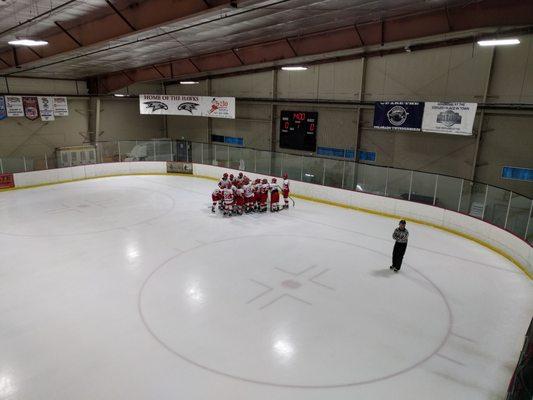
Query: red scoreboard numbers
{"type": "Point", "coordinates": [298, 130]}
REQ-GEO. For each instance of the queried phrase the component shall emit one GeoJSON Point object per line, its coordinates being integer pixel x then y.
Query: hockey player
{"type": "Point", "coordinates": [249, 196]}
{"type": "Point", "coordinates": [240, 178]}
{"type": "Point", "coordinates": [216, 196]}
{"type": "Point", "coordinates": [285, 190]}
{"type": "Point", "coordinates": [222, 182]}
{"type": "Point", "coordinates": [239, 199]}
{"type": "Point", "coordinates": [263, 195]}
{"type": "Point", "coordinates": [274, 195]}
{"type": "Point", "coordinates": [228, 200]}
{"type": "Point", "coordinates": [257, 194]}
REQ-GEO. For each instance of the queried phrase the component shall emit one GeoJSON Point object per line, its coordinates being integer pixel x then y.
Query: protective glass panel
{"type": "Point", "coordinates": [423, 187]}
{"type": "Point", "coordinates": [313, 170]}
{"type": "Point", "coordinates": [371, 179]}
{"type": "Point", "coordinates": [518, 215]}
{"type": "Point", "coordinates": [448, 192]}
{"type": "Point", "coordinates": [334, 173]}
{"type": "Point", "coordinates": [398, 183]}
{"type": "Point", "coordinates": [350, 175]}
{"type": "Point", "coordinates": [496, 206]}
{"type": "Point", "coordinates": [220, 155]}
{"type": "Point", "coordinates": [197, 153]}
{"type": "Point", "coordinates": [473, 199]}
{"type": "Point", "coordinates": [262, 162]}
{"type": "Point", "coordinates": [292, 165]}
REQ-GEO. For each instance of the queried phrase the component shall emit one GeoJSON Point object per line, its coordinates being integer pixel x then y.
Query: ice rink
{"type": "Point", "coordinates": [130, 288]}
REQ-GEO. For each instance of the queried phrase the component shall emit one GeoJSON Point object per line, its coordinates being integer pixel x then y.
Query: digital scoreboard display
{"type": "Point", "coordinates": [298, 130]}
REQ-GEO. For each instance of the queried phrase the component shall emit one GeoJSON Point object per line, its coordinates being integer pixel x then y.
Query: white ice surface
{"type": "Point", "coordinates": [129, 288]}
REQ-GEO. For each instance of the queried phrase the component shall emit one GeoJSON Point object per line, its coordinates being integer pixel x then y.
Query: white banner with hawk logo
{"type": "Point", "coordinates": [199, 106]}
{"type": "Point", "coordinates": [450, 118]}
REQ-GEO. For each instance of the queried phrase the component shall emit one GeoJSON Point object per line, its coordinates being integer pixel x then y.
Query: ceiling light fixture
{"type": "Point", "coordinates": [189, 82]}
{"type": "Point", "coordinates": [498, 42]}
{"type": "Point", "coordinates": [294, 68]}
{"type": "Point", "coordinates": [28, 42]}
{"type": "Point", "coordinates": [119, 95]}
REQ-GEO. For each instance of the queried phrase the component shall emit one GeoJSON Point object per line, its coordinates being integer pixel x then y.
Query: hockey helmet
{"type": "Point", "coordinates": [274, 180]}
{"type": "Point", "coordinates": [285, 175]}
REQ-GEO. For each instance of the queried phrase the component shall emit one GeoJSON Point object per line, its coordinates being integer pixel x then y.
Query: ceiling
{"type": "Point", "coordinates": [125, 41]}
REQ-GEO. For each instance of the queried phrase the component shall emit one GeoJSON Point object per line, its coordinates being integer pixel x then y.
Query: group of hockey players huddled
{"type": "Point", "coordinates": [240, 195]}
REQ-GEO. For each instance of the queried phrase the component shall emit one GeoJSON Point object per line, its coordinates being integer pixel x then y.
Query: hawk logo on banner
{"type": "Point", "coordinates": [188, 107]}
{"type": "Point", "coordinates": [397, 115]}
{"type": "Point", "coordinates": [156, 105]}
{"type": "Point", "coordinates": [31, 108]}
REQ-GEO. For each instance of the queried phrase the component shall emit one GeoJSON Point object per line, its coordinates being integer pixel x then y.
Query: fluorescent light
{"type": "Point", "coordinates": [189, 82]}
{"type": "Point", "coordinates": [498, 42]}
{"type": "Point", "coordinates": [294, 68]}
{"type": "Point", "coordinates": [28, 42]}
{"type": "Point", "coordinates": [119, 95]}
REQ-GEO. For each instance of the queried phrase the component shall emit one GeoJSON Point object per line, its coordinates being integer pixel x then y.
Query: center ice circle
{"type": "Point", "coordinates": [227, 307]}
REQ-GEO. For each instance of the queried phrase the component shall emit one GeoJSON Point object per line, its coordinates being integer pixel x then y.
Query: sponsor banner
{"type": "Point", "coordinates": [3, 110]}
{"type": "Point", "coordinates": [398, 115]}
{"type": "Point", "coordinates": [14, 106]}
{"type": "Point", "coordinates": [218, 107]}
{"type": "Point", "coordinates": [6, 181]}
{"type": "Point", "coordinates": [31, 108]}
{"type": "Point", "coordinates": [451, 118]}
{"type": "Point", "coordinates": [199, 106]}
{"type": "Point", "coordinates": [46, 108]}
{"type": "Point", "coordinates": [60, 107]}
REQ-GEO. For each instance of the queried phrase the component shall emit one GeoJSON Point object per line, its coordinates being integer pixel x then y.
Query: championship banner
{"type": "Point", "coordinates": [46, 108]}
{"type": "Point", "coordinates": [3, 111]}
{"type": "Point", "coordinates": [451, 118]}
{"type": "Point", "coordinates": [31, 108]}
{"type": "Point", "coordinates": [60, 107]}
{"type": "Point", "coordinates": [199, 106]}
{"type": "Point", "coordinates": [398, 115]}
{"type": "Point", "coordinates": [6, 181]}
{"type": "Point", "coordinates": [14, 106]}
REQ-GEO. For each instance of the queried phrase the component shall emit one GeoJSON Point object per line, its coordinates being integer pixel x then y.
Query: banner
{"type": "Point", "coordinates": [398, 115]}
{"type": "Point", "coordinates": [199, 106]}
{"type": "Point", "coordinates": [6, 181]}
{"type": "Point", "coordinates": [451, 118]}
{"type": "Point", "coordinates": [46, 108]}
{"type": "Point", "coordinates": [31, 108]}
{"type": "Point", "coordinates": [60, 107]}
{"type": "Point", "coordinates": [14, 106]}
{"type": "Point", "coordinates": [3, 111]}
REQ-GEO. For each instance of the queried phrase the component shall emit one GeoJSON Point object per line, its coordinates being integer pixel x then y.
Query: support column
{"type": "Point", "coordinates": [479, 131]}
{"type": "Point", "coordinates": [359, 112]}
{"type": "Point", "coordinates": [209, 120]}
{"type": "Point", "coordinates": [274, 110]}
{"type": "Point", "coordinates": [94, 120]}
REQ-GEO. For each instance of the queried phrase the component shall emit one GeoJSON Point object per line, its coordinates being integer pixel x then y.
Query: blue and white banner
{"type": "Point", "coordinates": [3, 110]}
{"type": "Point", "coordinates": [450, 118]}
{"type": "Point", "coordinates": [14, 106]}
{"type": "Point", "coordinates": [46, 108]}
{"type": "Point", "coordinates": [398, 115]}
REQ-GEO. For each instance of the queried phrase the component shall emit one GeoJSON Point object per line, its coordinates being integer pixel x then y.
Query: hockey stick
{"type": "Point", "coordinates": [293, 203]}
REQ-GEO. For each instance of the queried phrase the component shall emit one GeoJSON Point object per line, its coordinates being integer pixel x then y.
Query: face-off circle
{"type": "Point", "coordinates": [294, 311]}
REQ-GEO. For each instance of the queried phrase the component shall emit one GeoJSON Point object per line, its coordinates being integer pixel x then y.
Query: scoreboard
{"type": "Point", "coordinates": [298, 130]}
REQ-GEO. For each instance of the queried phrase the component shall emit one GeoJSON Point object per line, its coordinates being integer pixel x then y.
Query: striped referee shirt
{"type": "Point", "coordinates": [400, 236]}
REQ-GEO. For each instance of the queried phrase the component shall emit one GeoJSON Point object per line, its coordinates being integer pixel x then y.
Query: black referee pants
{"type": "Point", "coordinates": [397, 254]}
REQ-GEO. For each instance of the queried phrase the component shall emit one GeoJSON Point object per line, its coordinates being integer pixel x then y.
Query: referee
{"type": "Point", "coordinates": [400, 235]}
